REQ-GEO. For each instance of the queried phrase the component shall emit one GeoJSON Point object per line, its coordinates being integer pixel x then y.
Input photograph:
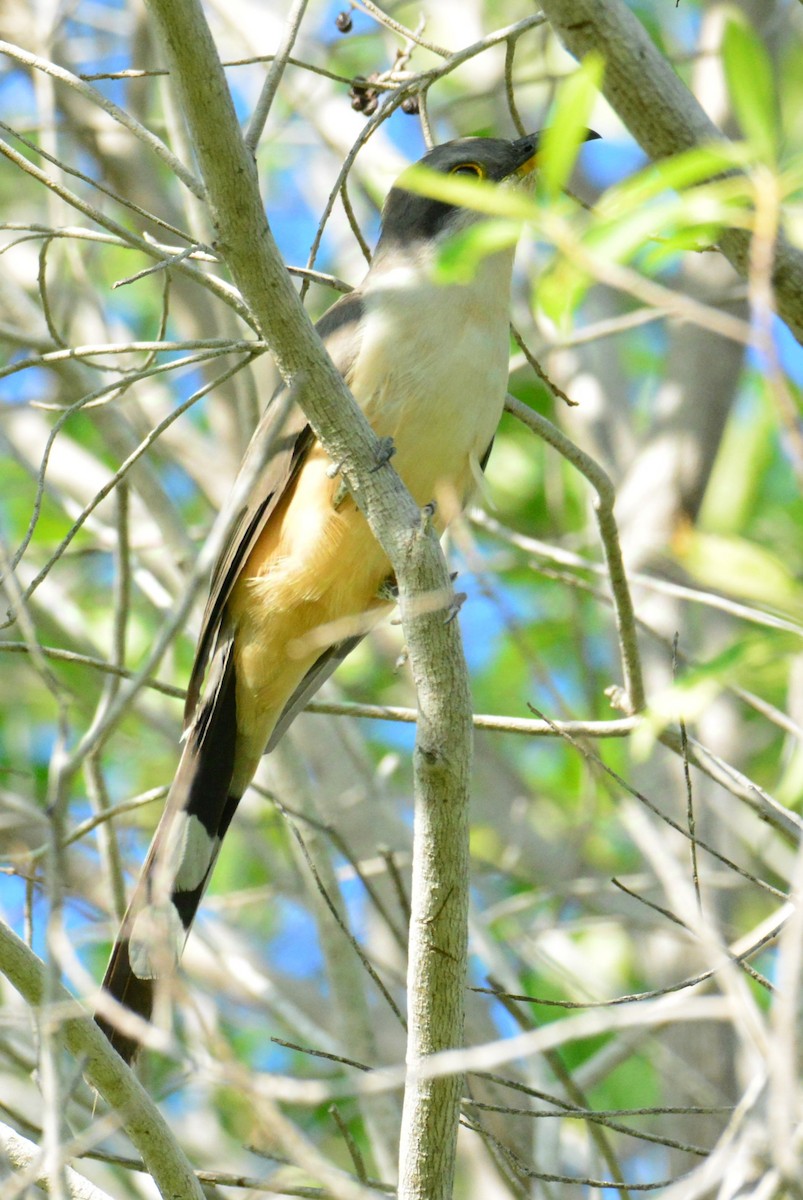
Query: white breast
{"type": "Point", "coordinates": [432, 369]}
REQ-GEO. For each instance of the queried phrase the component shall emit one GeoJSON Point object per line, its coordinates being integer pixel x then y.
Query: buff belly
{"type": "Point", "coordinates": [314, 576]}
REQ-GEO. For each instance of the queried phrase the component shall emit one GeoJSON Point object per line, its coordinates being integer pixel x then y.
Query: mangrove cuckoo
{"type": "Point", "coordinates": [303, 578]}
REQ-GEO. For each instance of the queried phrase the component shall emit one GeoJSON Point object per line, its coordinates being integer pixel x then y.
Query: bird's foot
{"type": "Point", "coordinates": [456, 603]}
{"type": "Point", "coordinates": [427, 515]}
{"type": "Point", "coordinates": [388, 589]}
{"type": "Point", "coordinates": [342, 493]}
{"type": "Point", "coordinates": [385, 451]}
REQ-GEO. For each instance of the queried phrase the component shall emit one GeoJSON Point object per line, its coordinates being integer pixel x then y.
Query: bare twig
{"type": "Point", "coordinates": [603, 508]}
{"type": "Point", "coordinates": [274, 76]}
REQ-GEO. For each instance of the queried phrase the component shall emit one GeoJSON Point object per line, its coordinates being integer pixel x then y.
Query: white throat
{"type": "Point", "coordinates": [432, 366]}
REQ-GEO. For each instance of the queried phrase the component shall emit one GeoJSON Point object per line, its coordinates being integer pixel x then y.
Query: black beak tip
{"type": "Point", "coordinates": [529, 143]}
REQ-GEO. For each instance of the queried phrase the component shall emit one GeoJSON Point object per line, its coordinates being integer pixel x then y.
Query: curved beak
{"type": "Point", "coordinates": [525, 152]}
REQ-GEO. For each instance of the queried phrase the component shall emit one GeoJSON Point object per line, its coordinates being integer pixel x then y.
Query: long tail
{"type": "Point", "coordinates": [198, 811]}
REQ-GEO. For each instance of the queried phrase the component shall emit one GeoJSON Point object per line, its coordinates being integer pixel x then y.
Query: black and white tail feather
{"type": "Point", "coordinates": [202, 801]}
{"type": "Point", "coordinates": [198, 811]}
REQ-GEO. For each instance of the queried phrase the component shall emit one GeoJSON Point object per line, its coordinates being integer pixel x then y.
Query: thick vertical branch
{"type": "Point", "coordinates": [436, 970]}
{"type": "Point", "coordinates": [443, 749]}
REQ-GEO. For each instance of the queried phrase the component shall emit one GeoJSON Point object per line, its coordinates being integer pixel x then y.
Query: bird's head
{"type": "Point", "coordinates": [408, 217]}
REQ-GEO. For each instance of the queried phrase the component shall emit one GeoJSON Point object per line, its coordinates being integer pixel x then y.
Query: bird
{"type": "Point", "coordinates": [302, 578]}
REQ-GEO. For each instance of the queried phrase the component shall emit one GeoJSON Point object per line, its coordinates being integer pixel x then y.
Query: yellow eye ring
{"type": "Point", "coordinates": [469, 168]}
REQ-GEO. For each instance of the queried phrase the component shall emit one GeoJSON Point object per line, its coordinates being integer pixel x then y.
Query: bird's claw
{"type": "Point", "coordinates": [385, 451]}
{"type": "Point", "coordinates": [342, 493]}
{"type": "Point", "coordinates": [457, 602]}
{"type": "Point", "coordinates": [427, 514]}
{"type": "Point", "coordinates": [388, 589]}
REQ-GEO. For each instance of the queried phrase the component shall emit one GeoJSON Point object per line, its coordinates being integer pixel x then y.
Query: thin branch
{"type": "Point", "coordinates": [274, 76]}
{"type": "Point", "coordinates": [26, 1158]}
{"type": "Point", "coordinates": [69, 169]}
{"type": "Point", "coordinates": [340, 922]}
{"type": "Point", "coordinates": [510, 95]}
{"type": "Point", "coordinates": [219, 287]}
{"type": "Point", "coordinates": [120, 115]}
{"type": "Point", "coordinates": [119, 474]}
{"type": "Point", "coordinates": [104, 1070]}
{"type": "Point", "coordinates": [524, 1020]}
{"type": "Point", "coordinates": [382, 17]}
{"type": "Point", "coordinates": [603, 509]}
{"type": "Point", "coordinates": [507, 34]}
{"type": "Point", "coordinates": [665, 586]}
{"type": "Point", "coordinates": [525, 726]}
{"type": "Point", "coordinates": [97, 664]}
{"type": "Point", "coordinates": [53, 357]}
{"type": "Point", "coordinates": [738, 784]}
{"type": "Point", "coordinates": [253, 60]}
{"type": "Point", "coordinates": [591, 757]}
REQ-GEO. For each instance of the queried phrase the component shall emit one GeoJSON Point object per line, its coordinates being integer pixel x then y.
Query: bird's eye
{"type": "Point", "coordinates": [469, 168]}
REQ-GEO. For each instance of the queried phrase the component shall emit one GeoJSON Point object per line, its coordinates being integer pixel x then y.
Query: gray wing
{"type": "Point", "coordinates": [290, 439]}
{"type": "Point", "coordinates": [316, 677]}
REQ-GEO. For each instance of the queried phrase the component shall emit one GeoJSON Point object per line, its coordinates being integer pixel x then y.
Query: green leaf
{"type": "Point", "coordinates": [741, 468]}
{"type": "Point", "coordinates": [682, 171]}
{"type": "Point", "coordinates": [697, 238]}
{"type": "Point", "coordinates": [749, 72]}
{"type": "Point", "coordinates": [461, 254]}
{"type": "Point", "coordinates": [560, 291]}
{"type": "Point", "coordinates": [567, 125]}
{"type": "Point", "coordinates": [694, 216]}
{"type": "Point", "coordinates": [478, 194]}
{"type": "Point", "coordinates": [744, 662]}
{"type": "Point", "coordinates": [741, 568]}
{"type": "Point", "coordinates": [619, 239]}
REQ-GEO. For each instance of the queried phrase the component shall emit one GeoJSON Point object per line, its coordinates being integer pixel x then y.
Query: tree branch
{"type": "Point", "coordinates": [444, 733]}
{"type": "Point", "coordinates": [105, 1071]}
{"type": "Point", "coordinates": [609, 535]}
{"type": "Point", "coordinates": [26, 1158]}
